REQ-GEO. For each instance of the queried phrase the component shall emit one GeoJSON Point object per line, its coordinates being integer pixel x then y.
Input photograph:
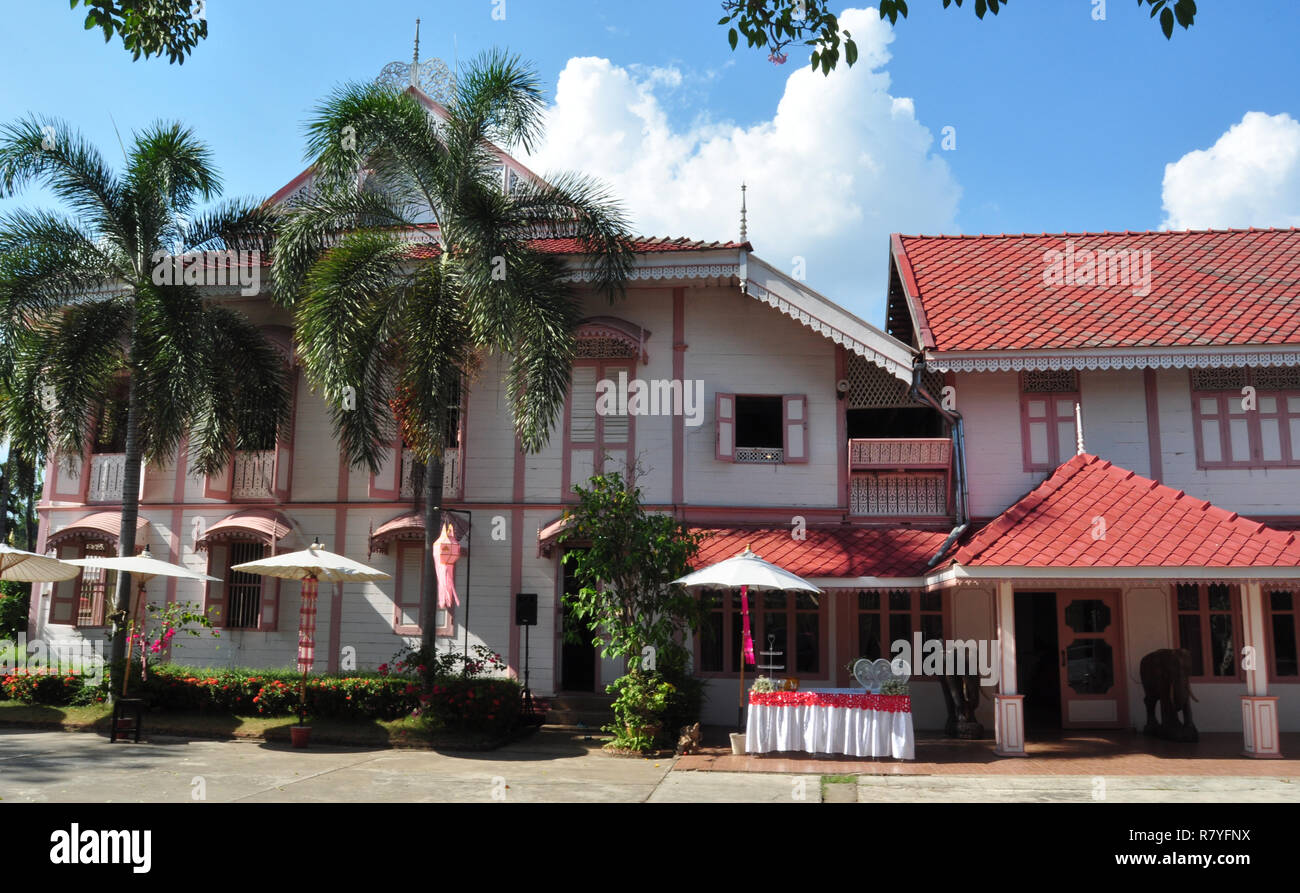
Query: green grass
{"type": "Point", "coordinates": [405, 732]}
{"type": "Point", "coordinates": [839, 779]}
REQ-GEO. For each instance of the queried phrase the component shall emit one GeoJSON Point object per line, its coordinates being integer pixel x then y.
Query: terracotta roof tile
{"type": "Point", "coordinates": [1147, 525]}
{"type": "Point", "coordinates": [1222, 287]}
{"type": "Point", "coordinates": [839, 551]}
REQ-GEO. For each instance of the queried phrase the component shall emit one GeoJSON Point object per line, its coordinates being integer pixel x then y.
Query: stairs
{"type": "Point", "coordinates": [577, 711]}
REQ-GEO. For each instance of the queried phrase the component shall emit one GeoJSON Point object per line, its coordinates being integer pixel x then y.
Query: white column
{"type": "Point", "coordinates": [1258, 710]}
{"type": "Point", "coordinates": [1009, 712]}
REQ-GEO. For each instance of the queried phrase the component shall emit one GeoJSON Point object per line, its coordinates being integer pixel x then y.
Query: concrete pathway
{"type": "Point", "coordinates": [52, 766]}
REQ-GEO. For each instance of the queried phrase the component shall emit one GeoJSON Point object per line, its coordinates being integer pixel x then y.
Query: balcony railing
{"type": "Point", "coordinates": [900, 476]}
{"type": "Point", "coordinates": [450, 474]}
{"type": "Point", "coordinates": [106, 473]}
{"type": "Point", "coordinates": [253, 475]}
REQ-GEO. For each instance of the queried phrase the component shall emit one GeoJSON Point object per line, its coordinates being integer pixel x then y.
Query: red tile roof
{"type": "Point", "coordinates": [1221, 287]}
{"type": "Point", "coordinates": [827, 551]}
{"type": "Point", "coordinates": [1146, 524]}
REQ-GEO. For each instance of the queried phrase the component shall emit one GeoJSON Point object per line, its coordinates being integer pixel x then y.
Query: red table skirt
{"type": "Point", "coordinates": [861, 701]}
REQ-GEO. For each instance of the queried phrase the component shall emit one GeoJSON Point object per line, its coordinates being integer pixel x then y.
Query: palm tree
{"type": "Point", "coordinates": [84, 311]}
{"type": "Point", "coordinates": [394, 184]}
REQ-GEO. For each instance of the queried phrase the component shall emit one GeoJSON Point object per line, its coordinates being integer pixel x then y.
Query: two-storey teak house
{"type": "Point", "coordinates": [1080, 467]}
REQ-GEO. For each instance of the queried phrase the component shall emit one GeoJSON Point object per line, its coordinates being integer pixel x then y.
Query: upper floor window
{"type": "Point", "coordinates": [1246, 418]}
{"type": "Point", "coordinates": [110, 421]}
{"type": "Point", "coordinates": [770, 429]}
{"type": "Point", "coordinates": [1048, 434]}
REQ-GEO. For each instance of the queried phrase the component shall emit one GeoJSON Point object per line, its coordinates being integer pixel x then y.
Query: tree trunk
{"type": "Point", "coordinates": [432, 529]}
{"type": "Point", "coordinates": [126, 534]}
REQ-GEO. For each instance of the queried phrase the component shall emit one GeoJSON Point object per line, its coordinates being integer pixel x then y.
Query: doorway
{"type": "Point", "coordinates": [1069, 659]}
{"type": "Point", "coordinates": [1038, 674]}
{"type": "Point", "coordinates": [578, 659]}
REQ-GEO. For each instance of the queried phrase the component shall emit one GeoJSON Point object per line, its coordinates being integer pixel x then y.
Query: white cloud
{"type": "Point", "coordinates": [839, 165]}
{"type": "Point", "coordinates": [1249, 177]}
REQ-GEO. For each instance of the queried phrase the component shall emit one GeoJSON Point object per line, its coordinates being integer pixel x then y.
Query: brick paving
{"type": "Point", "coordinates": [1073, 753]}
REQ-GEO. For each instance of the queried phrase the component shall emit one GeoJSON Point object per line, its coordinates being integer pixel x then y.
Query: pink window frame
{"type": "Point", "coordinates": [730, 648]}
{"type": "Point", "coordinates": [1054, 459]}
{"type": "Point", "coordinates": [598, 445]}
{"type": "Point", "coordinates": [785, 445]}
{"type": "Point", "coordinates": [883, 612]}
{"type": "Point", "coordinates": [1294, 614]}
{"type": "Point", "coordinates": [1203, 611]}
{"type": "Point", "coordinates": [406, 629]}
{"type": "Point", "coordinates": [1253, 429]}
{"type": "Point", "coordinates": [105, 598]}
{"type": "Point", "coordinates": [270, 585]}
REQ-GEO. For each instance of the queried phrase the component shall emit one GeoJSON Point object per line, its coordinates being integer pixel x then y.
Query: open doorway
{"type": "Point", "coordinates": [1038, 671]}
{"type": "Point", "coordinates": [578, 660]}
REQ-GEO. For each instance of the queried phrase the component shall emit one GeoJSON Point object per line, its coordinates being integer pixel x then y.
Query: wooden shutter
{"type": "Point", "coordinates": [218, 484]}
{"type": "Point", "coordinates": [268, 619]}
{"type": "Point", "coordinates": [407, 589]}
{"type": "Point", "coordinates": [64, 598]}
{"type": "Point", "coordinates": [282, 475]}
{"type": "Point", "coordinates": [1209, 427]}
{"type": "Point", "coordinates": [70, 479]}
{"type": "Point", "coordinates": [1034, 430]}
{"type": "Point", "coordinates": [794, 426]}
{"type": "Point", "coordinates": [582, 405]}
{"type": "Point", "coordinates": [387, 482]}
{"type": "Point", "coordinates": [214, 595]}
{"type": "Point", "coordinates": [1067, 433]}
{"type": "Point", "coordinates": [1271, 435]}
{"type": "Point", "coordinates": [725, 446]}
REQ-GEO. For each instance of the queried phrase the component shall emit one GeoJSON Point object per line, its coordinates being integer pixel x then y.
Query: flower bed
{"type": "Point", "coordinates": [487, 705]}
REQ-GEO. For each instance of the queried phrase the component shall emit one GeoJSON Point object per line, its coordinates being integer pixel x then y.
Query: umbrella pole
{"type": "Point", "coordinates": [306, 641]}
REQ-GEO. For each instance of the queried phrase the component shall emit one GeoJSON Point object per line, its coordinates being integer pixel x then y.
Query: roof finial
{"type": "Point", "coordinates": [744, 224]}
{"type": "Point", "coordinates": [1078, 427]}
{"type": "Point", "coordinates": [415, 59]}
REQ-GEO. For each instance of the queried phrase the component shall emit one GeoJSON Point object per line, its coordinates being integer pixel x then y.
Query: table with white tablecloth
{"type": "Point", "coordinates": [836, 721]}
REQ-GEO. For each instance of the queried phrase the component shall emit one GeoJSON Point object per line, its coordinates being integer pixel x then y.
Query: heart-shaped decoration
{"type": "Point", "coordinates": [872, 674]}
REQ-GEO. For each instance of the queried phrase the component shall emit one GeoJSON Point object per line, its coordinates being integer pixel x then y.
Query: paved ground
{"type": "Point", "coordinates": [51, 766]}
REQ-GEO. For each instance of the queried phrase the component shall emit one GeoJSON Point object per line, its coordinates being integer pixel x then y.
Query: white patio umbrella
{"type": "Point", "coordinates": [310, 565]}
{"type": "Point", "coordinates": [143, 567]}
{"type": "Point", "coordinates": [29, 567]}
{"type": "Point", "coordinates": [747, 571]}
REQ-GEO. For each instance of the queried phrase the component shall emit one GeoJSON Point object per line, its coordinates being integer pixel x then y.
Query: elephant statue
{"type": "Point", "coordinates": [1166, 678]}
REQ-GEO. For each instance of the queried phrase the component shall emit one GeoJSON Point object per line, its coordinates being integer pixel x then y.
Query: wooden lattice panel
{"type": "Point", "coordinates": [1050, 381]}
{"type": "Point", "coordinates": [900, 452]}
{"type": "Point", "coordinates": [1219, 379]}
{"type": "Point", "coordinates": [1277, 378]}
{"type": "Point", "coordinates": [871, 387]}
{"type": "Point", "coordinates": [603, 348]}
{"type": "Point", "coordinates": [898, 495]}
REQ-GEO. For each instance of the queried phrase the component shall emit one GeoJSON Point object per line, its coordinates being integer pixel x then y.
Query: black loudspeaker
{"type": "Point", "coordinates": [526, 609]}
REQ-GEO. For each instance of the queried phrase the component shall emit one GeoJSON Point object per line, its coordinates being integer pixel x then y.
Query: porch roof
{"type": "Point", "coordinates": [99, 526]}
{"type": "Point", "coordinates": [1092, 514]}
{"type": "Point", "coordinates": [263, 525]}
{"type": "Point", "coordinates": [836, 552]}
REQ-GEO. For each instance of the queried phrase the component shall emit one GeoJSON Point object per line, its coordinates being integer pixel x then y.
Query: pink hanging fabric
{"type": "Point", "coordinates": [747, 639]}
{"type": "Point", "coordinates": [446, 550]}
{"type": "Point", "coordinates": [307, 626]}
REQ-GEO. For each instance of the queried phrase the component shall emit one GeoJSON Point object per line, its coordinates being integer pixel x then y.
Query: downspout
{"type": "Point", "coordinates": [918, 394]}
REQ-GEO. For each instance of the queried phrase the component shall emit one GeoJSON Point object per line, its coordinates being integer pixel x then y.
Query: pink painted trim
{"type": "Point", "coordinates": [729, 419]}
{"type": "Point", "coordinates": [1153, 424]}
{"type": "Point", "coordinates": [679, 374]}
{"type": "Point", "coordinates": [516, 553]}
{"type": "Point", "coordinates": [787, 423]}
{"type": "Point", "coordinates": [842, 429]}
{"type": "Point", "coordinates": [406, 629]}
{"type": "Point", "coordinates": [340, 539]}
{"type": "Point", "coordinates": [911, 293]}
{"type": "Point", "coordinates": [1254, 430]}
{"type": "Point", "coordinates": [1051, 398]}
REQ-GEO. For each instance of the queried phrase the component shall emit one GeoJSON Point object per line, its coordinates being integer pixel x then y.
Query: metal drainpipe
{"type": "Point", "coordinates": [919, 394]}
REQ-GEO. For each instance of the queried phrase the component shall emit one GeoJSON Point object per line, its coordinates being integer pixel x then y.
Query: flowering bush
{"type": "Point", "coordinates": [275, 693]}
{"type": "Point", "coordinates": [51, 686]}
{"type": "Point", "coordinates": [459, 692]}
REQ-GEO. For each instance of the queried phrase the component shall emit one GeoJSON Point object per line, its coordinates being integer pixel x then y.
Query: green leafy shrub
{"type": "Point", "coordinates": [51, 687]}
{"type": "Point", "coordinates": [14, 600]}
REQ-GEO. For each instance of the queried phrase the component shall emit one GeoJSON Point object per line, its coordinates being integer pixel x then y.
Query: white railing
{"type": "Point", "coordinates": [253, 474]}
{"type": "Point", "coordinates": [450, 474]}
{"type": "Point", "coordinates": [106, 473]}
{"type": "Point", "coordinates": [899, 495]}
{"type": "Point", "coordinates": [900, 452]}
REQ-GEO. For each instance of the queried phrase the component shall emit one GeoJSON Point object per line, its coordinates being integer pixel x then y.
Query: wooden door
{"type": "Point", "coordinates": [1093, 690]}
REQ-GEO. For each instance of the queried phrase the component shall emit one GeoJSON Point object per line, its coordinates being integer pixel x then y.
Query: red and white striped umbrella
{"type": "Point", "coordinates": [310, 565]}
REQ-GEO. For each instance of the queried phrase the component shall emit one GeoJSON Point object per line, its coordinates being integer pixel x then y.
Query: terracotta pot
{"type": "Point", "coordinates": [300, 736]}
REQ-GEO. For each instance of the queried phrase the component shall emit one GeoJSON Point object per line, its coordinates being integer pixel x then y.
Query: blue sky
{"type": "Point", "coordinates": [1061, 122]}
